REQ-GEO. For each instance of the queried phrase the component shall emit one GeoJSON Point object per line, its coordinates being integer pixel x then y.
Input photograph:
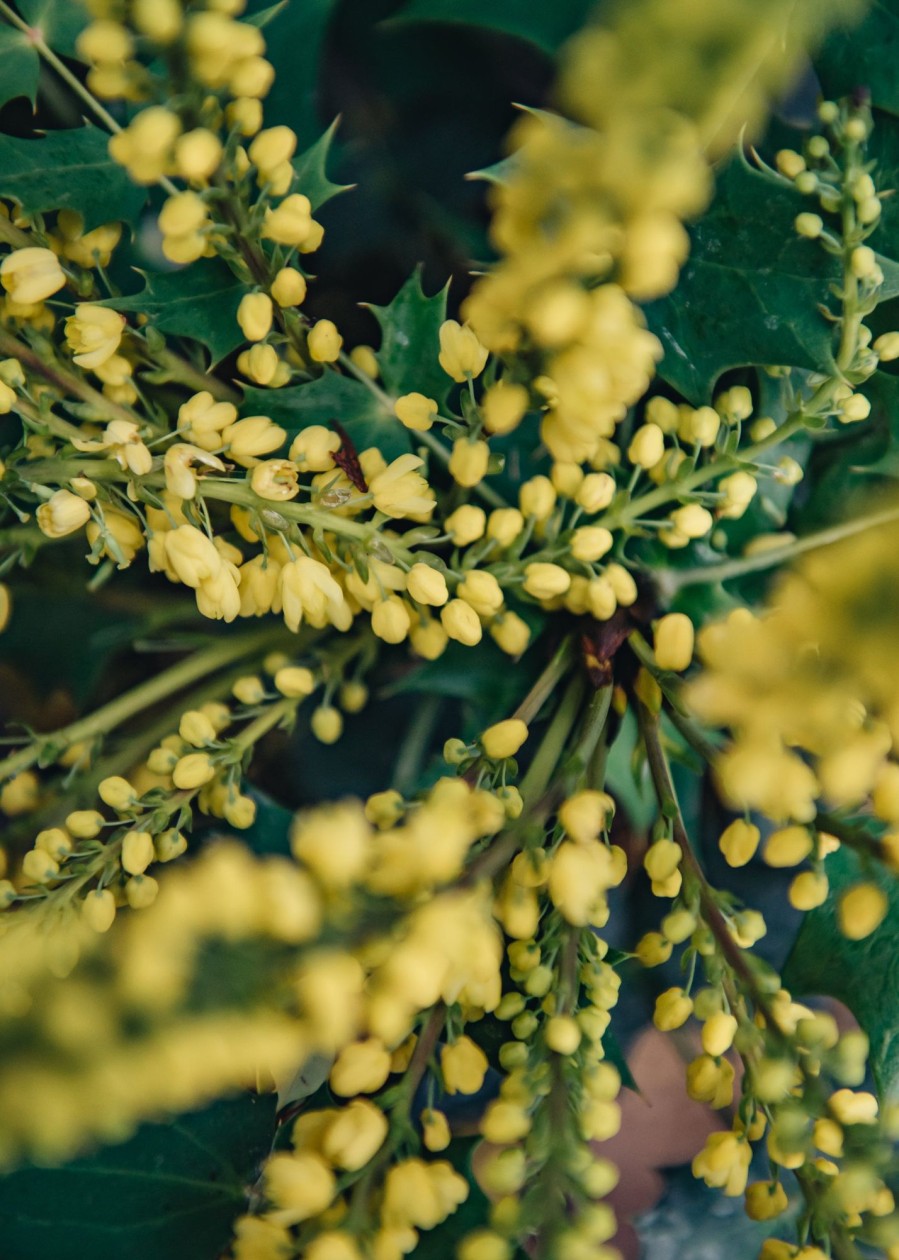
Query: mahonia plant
{"type": "Point", "coordinates": [450, 935]}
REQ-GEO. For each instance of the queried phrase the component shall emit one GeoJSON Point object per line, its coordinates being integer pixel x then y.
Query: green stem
{"type": "Point", "coordinates": [111, 715]}
{"type": "Point", "coordinates": [670, 581]}
{"type": "Point", "coordinates": [545, 685]}
{"type": "Point", "coordinates": [265, 722]}
{"type": "Point", "coordinates": [543, 766]}
{"type": "Point", "coordinates": [62, 379]}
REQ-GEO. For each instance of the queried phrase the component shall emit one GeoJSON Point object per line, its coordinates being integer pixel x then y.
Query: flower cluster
{"type": "Point", "coordinates": [441, 942]}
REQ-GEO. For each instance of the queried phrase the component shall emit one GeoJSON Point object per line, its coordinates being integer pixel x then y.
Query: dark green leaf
{"type": "Point", "coordinates": [311, 169]}
{"type": "Point", "coordinates": [544, 25]}
{"type": "Point", "coordinates": [862, 974]}
{"type": "Point", "coordinates": [333, 397]}
{"type": "Point", "coordinates": [481, 675]}
{"type": "Point", "coordinates": [95, 631]}
{"type": "Point", "coordinates": [750, 290]}
{"type": "Point", "coordinates": [864, 56]}
{"type": "Point", "coordinates": [409, 341]}
{"type": "Point", "coordinates": [295, 39]}
{"type": "Point", "coordinates": [199, 302]}
{"type": "Point", "coordinates": [68, 169]}
{"type": "Point", "coordinates": [20, 66]}
{"type": "Point", "coordinates": [170, 1193]}
{"type": "Point", "coordinates": [270, 833]}
{"type": "Point", "coordinates": [60, 21]}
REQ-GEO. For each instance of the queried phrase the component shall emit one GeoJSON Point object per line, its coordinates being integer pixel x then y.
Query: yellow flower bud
{"type": "Point", "coordinates": [198, 154]}
{"type": "Point", "coordinates": [63, 513]}
{"type": "Point", "coordinates": [313, 448]}
{"type": "Point", "coordinates": [254, 315]}
{"type": "Point", "coordinates": [808, 890]}
{"type": "Point", "coordinates": [137, 851]}
{"type": "Point", "coordinates": [505, 1122]}
{"type": "Point", "coordinates": [291, 222]}
{"type": "Point", "coordinates": [511, 633]}
{"type": "Point", "coordinates": [673, 642]}
{"type": "Point", "coordinates": [252, 437]}
{"type": "Point", "coordinates": [31, 274]}
{"type": "Point", "coordinates": [596, 492]}
{"type": "Point", "coordinates": [590, 543]}
{"type": "Point", "coordinates": [289, 287]}
{"type": "Point", "coordinates": [787, 847]}
{"type": "Point", "coordinates": [738, 842]}
{"type": "Point", "coordinates": [861, 910]}
{"type": "Point", "coordinates": [463, 1066]}
{"type": "Point", "coordinates": [461, 353]}
{"type": "Point", "coordinates": [324, 342]}
{"type": "Point", "coordinates": [468, 461]}
{"type": "Point", "coordinates": [362, 1067]}
{"type": "Point", "coordinates": [504, 739]}
{"type": "Point", "coordinates": [672, 1009]}
{"type": "Point", "coordinates": [563, 1034]}
{"type": "Point", "coordinates": [169, 845]}
{"type": "Point", "coordinates": [141, 891]}
{"type": "Point", "coordinates": [481, 589]}
{"type": "Point", "coordinates": [653, 949]}
{"type": "Point", "coordinates": [84, 824]}
{"type": "Point", "coordinates": [354, 1135]}
{"type": "Point", "coordinates": [503, 406]}
{"type": "Point", "coordinates": [39, 867]}
{"type": "Point", "coordinates": [718, 1033]}
{"type": "Point", "coordinates": [505, 525]}
{"type": "Point", "coordinates": [300, 1185]}
{"type": "Point", "coordinates": [272, 147]}
{"type": "Point", "coordinates": [586, 814]}
{"type": "Point", "coordinates": [545, 581]}
{"type": "Point", "coordinates": [416, 411]}
{"type": "Point", "coordinates": [467, 524]}
{"type": "Point", "coordinates": [537, 498]}
{"type": "Point", "coordinates": [193, 771]}
{"type": "Point", "coordinates": [99, 909]}
{"type": "Point", "coordinates": [295, 681]}
{"type": "Point", "coordinates": [647, 446]}
{"type": "Point", "coordinates": [327, 724]}
{"type": "Point", "coordinates": [159, 20]}
{"type": "Point", "coordinates": [117, 793]}
{"type": "Point", "coordinates": [662, 859]}
{"type": "Point", "coordinates": [765, 1200]}
{"type": "Point", "coordinates": [853, 1107]}
{"type": "Point", "coordinates": [390, 619]}
{"type": "Point", "coordinates": [427, 585]}
{"type": "Point", "coordinates": [461, 622]}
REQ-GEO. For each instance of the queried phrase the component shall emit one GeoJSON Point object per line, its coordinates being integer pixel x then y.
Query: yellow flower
{"type": "Point", "coordinates": [289, 287]}
{"type": "Point", "coordinates": [254, 315]}
{"type": "Point", "coordinates": [62, 514]}
{"type": "Point", "coordinates": [361, 1068]}
{"type": "Point", "coordinates": [30, 275]}
{"type": "Point", "coordinates": [461, 353]}
{"type": "Point", "coordinates": [504, 738]}
{"type": "Point", "coordinates": [94, 333]}
{"type": "Point", "coordinates": [309, 592]}
{"type": "Point", "coordinates": [468, 461]}
{"type": "Point", "coordinates": [463, 1066]}
{"type": "Point", "coordinates": [544, 581]}
{"type": "Point", "coordinates": [324, 342]}
{"type": "Point", "coordinates": [673, 642]}
{"type": "Point", "coordinates": [401, 491]}
{"type": "Point", "coordinates": [416, 411]}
